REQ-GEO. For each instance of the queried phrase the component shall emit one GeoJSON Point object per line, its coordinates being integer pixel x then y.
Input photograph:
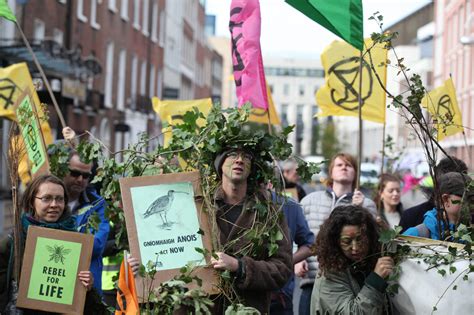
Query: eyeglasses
{"type": "Point", "coordinates": [49, 199]}
{"type": "Point", "coordinates": [244, 155]}
{"type": "Point", "coordinates": [75, 173]}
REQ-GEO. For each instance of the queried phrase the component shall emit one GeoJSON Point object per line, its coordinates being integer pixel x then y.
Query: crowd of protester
{"type": "Point", "coordinates": [334, 232]}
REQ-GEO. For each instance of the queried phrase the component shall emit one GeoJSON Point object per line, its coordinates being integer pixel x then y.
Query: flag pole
{"type": "Point", "coordinates": [125, 262]}
{"type": "Point", "coordinates": [360, 121]}
{"type": "Point", "coordinates": [465, 143]}
{"type": "Point", "coordinates": [43, 76]}
{"type": "Point", "coordinates": [383, 148]}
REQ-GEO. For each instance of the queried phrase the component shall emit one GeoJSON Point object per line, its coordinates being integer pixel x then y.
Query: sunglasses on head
{"type": "Point", "coordinates": [75, 173]}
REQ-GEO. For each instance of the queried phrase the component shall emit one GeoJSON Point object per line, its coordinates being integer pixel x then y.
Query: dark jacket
{"type": "Point", "coordinates": [415, 215]}
{"type": "Point", "coordinates": [5, 255]}
{"type": "Point", "coordinates": [300, 234]}
{"type": "Point", "coordinates": [263, 274]}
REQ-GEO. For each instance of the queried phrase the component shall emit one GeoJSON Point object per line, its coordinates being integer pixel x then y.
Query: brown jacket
{"type": "Point", "coordinates": [263, 274]}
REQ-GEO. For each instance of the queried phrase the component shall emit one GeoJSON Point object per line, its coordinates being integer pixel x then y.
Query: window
{"type": "Point", "coordinates": [143, 79]}
{"type": "Point", "coordinates": [121, 80]}
{"type": "Point", "coordinates": [39, 30]}
{"type": "Point", "coordinates": [133, 87]}
{"type": "Point", "coordinates": [159, 86]}
{"type": "Point", "coordinates": [109, 73]}
{"type": "Point", "coordinates": [301, 90]}
{"type": "Point", "coordinates": [136, 14]}
{"type": "Point", "coordinates": [124, 10]}
{"type": "Point", "coordinates": [271, 88]}
{"type": "Point", "coordinates": [80, 11]}
{"type": "Point", "coordinates": [284, 114]}
{"type": "Point", "coordinates": [162, 28]}
{"type": "Point", "coordinates": [113, 5]}
{"type": "Point", "coordinates": [151, 92]}
{"type": "Point", "coordinates": [154, 23]}
{"type": "Point", "coordinates": [145, 25]}
{"type": "Point", "coordinates": [58, 36]}
{"type": "Point", "coordinates": [94, 23]}
{"type": "Point", "coordinates": [286, 89]}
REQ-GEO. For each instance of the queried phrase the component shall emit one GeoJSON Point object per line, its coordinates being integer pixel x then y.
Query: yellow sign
{"type": "Point", "coordinates": [339, 96]}
{"type": "Point", "coordinates": [443, 105]}
{"type": "Point", "coordinates": [173, 111]}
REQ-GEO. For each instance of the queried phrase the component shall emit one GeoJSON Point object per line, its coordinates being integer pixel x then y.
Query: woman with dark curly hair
{"type": "Point", "coordinates": [351, 279]}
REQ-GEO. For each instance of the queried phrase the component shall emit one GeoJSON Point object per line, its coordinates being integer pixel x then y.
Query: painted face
{"type": "Point", "coordinates": [236, 166]}
{"type": "Point", "coordinates": [452, 205]}
{"type": "Point", "coordinates": [353, 242]}
{"type": "Point", "coordinates": [342, 172]}
{"type": "Point", "coordinates": [77, 179]}
{"type": "Point", "coordinates": [391, 194]}
{"type": "Point", "coordinates": [49, 202]}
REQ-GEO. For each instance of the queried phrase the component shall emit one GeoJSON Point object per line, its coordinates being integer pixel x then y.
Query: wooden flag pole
{"type": "Point", "coordinates": [360, 121]}
{"type": "Point", "coordinates": [43, 76]}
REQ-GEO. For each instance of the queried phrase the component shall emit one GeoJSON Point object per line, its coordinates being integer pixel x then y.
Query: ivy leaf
{"type": "Point", "coordinates": [442, 272]}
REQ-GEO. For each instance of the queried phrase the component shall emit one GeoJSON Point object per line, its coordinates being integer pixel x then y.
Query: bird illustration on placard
{"type": "Point", "coordinates": [162, 205]}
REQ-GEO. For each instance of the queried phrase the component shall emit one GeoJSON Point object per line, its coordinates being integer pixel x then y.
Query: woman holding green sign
{"type": "Point", "coordinates": [44, 204]}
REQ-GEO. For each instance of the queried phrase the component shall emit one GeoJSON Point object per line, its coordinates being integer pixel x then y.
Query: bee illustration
{"type": "Point", "coordinates": [57, 253]}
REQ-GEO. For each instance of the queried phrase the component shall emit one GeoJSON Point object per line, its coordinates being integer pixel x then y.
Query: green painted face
{"type": "Point", "coordinates": [353, 242]}
{"type": "Point", "coordinates": [236, 166]}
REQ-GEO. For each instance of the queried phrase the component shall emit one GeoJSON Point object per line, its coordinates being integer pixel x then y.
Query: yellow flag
{"type": "Point", "coordinates": [13, 81]}
{"type": "Point", "coordinates": [260, 115]}
{"type": "Point", "coordinates": [443, 105]}
{"type": "Point", "coordinates": [339, 96]}
{"type": "Point", "coordinates": [173, 111]}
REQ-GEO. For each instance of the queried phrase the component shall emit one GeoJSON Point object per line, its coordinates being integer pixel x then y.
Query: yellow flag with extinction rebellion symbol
{"type": "Point", "coordinates": [443, 106]}
{"type": "Point", "coordinates": [172, 111]}
{"type": "Point", "coordinates": [339, 96]}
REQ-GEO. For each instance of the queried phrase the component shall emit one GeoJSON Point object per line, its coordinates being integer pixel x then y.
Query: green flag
{"type": "Point", "coordinates": [342, 17]}
{"type": "Point", "coordinates": [6, 12]}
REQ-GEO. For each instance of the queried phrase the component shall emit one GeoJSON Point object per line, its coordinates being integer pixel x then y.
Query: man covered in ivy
{"type": "Point", "coordinates": [253, 236]}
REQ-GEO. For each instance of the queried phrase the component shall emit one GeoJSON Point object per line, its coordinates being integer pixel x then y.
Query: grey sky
{"type": "Point", "coordinates": [286, 31]}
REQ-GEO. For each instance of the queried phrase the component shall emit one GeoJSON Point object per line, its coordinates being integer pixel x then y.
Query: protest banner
{"type": "Point", "coordinates": [32, 134]}
{"type": "Point", "coordinates": [165, 225]}
{"type": "Point", "coordinates": [424, 289]}
{"type": "Point", "coordinates": [51, 263]}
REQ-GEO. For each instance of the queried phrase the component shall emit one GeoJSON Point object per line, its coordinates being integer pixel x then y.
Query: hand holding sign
{"type": "Point", "coordinates": [87, 279]}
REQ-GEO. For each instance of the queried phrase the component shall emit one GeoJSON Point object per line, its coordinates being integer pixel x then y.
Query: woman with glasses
{"type": "Point", "coordinates": [44, 204]}
{"type": "Point", "coordinates": [352, 273]}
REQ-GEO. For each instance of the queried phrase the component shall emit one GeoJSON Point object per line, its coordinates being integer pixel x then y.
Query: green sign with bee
{"type": "Point", "coordinates": [52, 261]}
{"type": "Point", "coordinates": [54, 271]}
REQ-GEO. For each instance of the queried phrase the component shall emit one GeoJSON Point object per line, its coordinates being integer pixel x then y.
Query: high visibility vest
{"type": "Point", "coordinates": [110, 271]}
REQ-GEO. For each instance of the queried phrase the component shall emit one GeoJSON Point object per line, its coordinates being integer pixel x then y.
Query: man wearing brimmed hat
{"type": "Point", "coordinates": [237, 200]}
{"type": "Point", "coordinates": [452, 188]}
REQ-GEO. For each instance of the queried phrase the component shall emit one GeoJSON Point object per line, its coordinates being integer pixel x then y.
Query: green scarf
{"type": "Point", "coordinates": [65, 223]}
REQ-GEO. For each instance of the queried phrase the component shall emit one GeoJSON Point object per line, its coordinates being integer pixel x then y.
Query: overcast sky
{"type": "Point", "coordinates": [287, 32]}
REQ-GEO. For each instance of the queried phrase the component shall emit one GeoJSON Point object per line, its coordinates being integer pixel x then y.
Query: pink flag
{"type": "Point", "coordinates": [247, 60]}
